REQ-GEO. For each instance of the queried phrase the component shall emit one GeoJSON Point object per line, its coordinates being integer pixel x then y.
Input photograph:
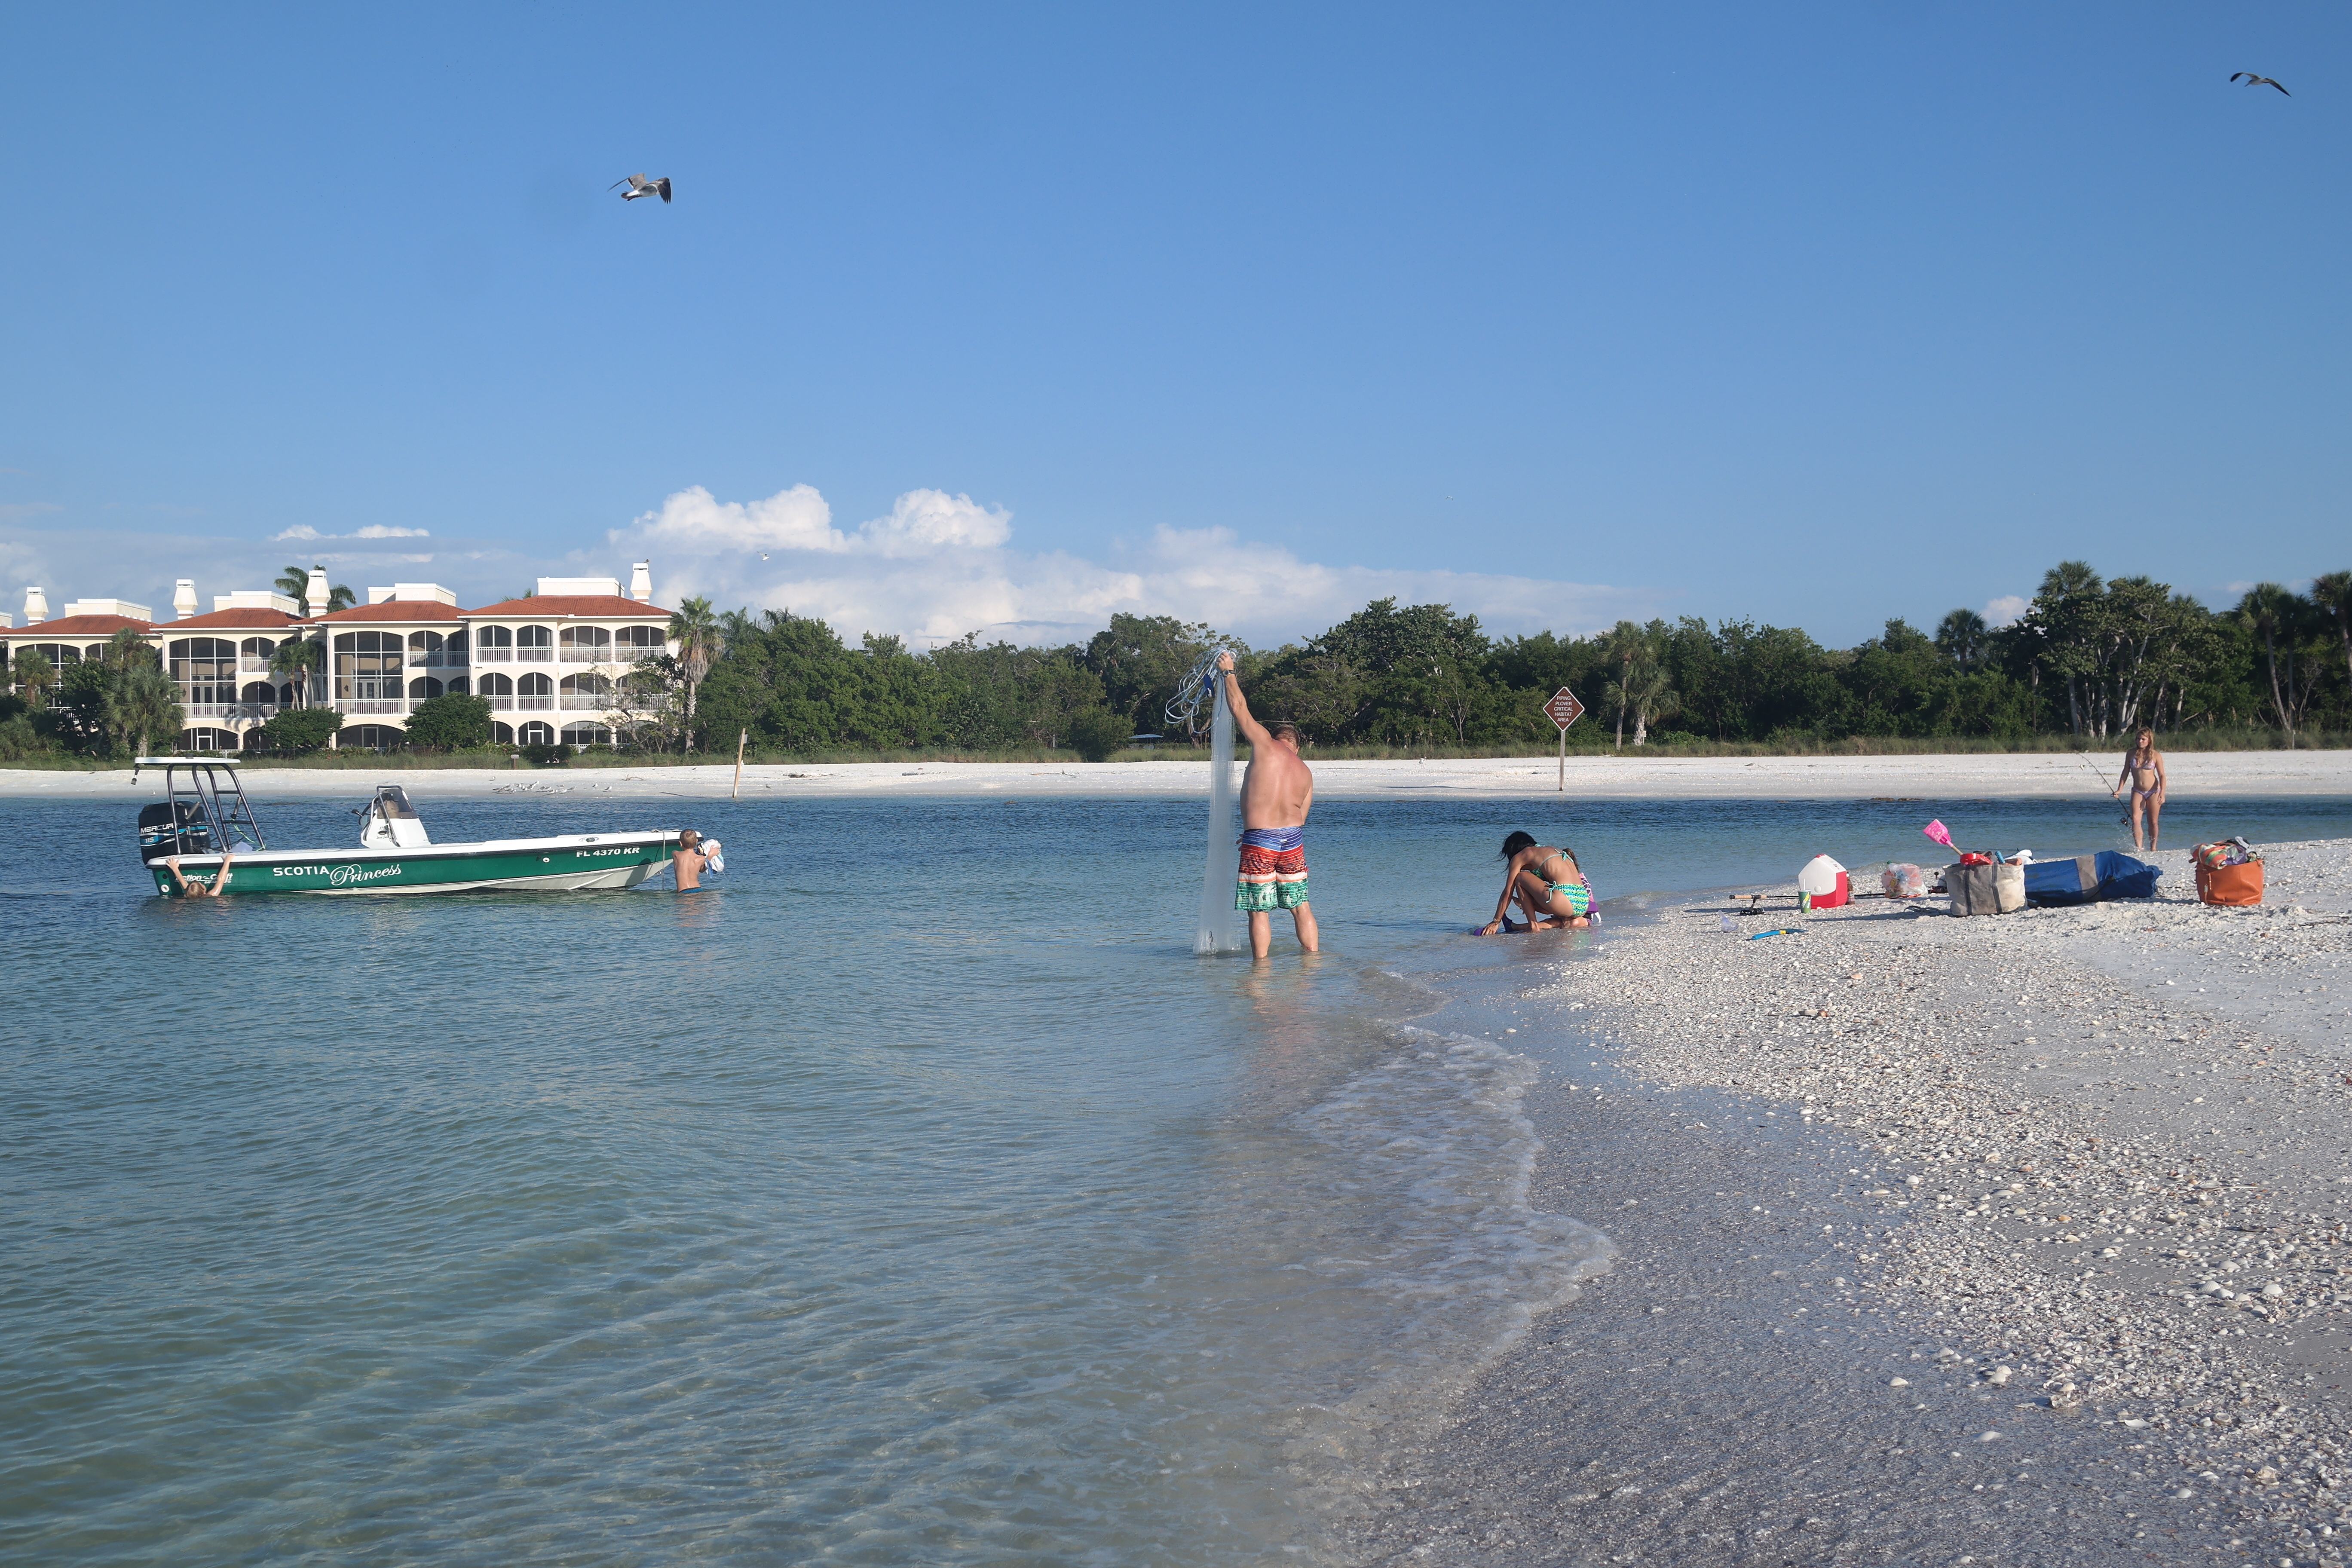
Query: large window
{"type": "Point", "coordinates": [253, 654]}
{"type": "Point", "coordinates": [368, 674]}
{"type": "Point", "coordinates": [538, 733]}
{"type": "Point", "coordinates": [261, 694]}
{"type": "Point", "coordinates": [590, 691]}
{"type": "Point", "coordinates": [205, 668]}
{"type": "Point", "coordinates": [205, 739]}
{"type": "Point", "coordinates": [423, 689]}
{"type": "Point", "coordinates": [369, 737]}
{"type": "Point", "coordinates": [587, 735]}
{"type": "Point", "coordinates": [535, 644]}
{"type": "Point", "coordinates": [427, 650]}
{"type": "Point", "coordinates": [499, 689]}
{"type": "Point", "coordinates": [534, 692]}
{"type": "Point", "coordinates": [633, 643]}
{"type": "Point", "coordinates": [502, 733]}
{"type": "Point", "coordinates": [493, 644]}
{"type": "Point", "coordinates": [587, 645]}
{"type": "Point", "coordinates": [58, 653]}
{"type": "Point", "coordinates": [456, 685]}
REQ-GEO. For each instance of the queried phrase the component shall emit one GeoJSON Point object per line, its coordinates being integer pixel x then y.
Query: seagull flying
{"type": "Point", "coordinates": [2249, 77]}
{"type": "Point", "coordinates": [641, 186]}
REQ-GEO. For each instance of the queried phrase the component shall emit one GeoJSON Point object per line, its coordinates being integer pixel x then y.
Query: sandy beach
{"type": "Point", "coordinates": [2022, 775]}
{"type": "Point", "coordinates": [2007, 1240]}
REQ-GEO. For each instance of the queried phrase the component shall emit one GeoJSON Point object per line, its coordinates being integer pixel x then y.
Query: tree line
{"type": "Point", "coordinates": [2091, 656]}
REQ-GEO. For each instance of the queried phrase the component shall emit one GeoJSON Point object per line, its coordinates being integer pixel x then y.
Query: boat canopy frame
{"type": "Point", "coordinates": [211, 793]}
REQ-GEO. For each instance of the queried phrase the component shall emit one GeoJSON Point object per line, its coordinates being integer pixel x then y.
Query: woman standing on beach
{"type": "Point", "coordinates": [1547, 883]}
{"type": "Point", "coordinates": [2144, 771]}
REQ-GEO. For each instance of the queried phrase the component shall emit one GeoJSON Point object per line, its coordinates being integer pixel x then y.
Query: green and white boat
{"type": "Point", "coordinates": [204, 813]}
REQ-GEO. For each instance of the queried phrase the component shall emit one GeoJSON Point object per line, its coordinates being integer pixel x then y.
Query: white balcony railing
{"type": "Point", "coordinates": [587, 704]}
{"type": "Point", "coordinates": [206, 710]}
{"type": "Point", "coordinates": [373, 705]}
{"type": "Point", "coordinates": [588, 655]}
{"type": "Point", "coordinates": [535, 655]}
{"type": "Point", "coordinates": [493, 656]}
{"type": "Point", "coordinates": [248, 664]}
{"type": "Point", "coordinates": [500, 704]}
{"type": "Point", "coordinates": [444, 660]}
{"type": "Point", "coordinates": [534, 704]}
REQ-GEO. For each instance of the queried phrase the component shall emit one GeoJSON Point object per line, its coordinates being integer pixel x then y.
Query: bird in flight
{"type": "Point", "coordinates": [641, 186]}
{"type": "Point", "coordinates": [2249, 77]}
{"type": "Point", "coordinates": [763, 555]}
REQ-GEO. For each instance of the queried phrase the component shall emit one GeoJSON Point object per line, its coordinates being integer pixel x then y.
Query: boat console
{"type": "Point", "coordinates": [390, 822]}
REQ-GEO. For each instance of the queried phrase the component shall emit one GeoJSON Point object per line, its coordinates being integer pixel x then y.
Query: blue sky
{"type": "Point", "coordinates": [1013, 316]}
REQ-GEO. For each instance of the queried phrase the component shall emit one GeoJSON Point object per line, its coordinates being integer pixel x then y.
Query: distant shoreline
{"type": "Point", "coordinates": [1925, 777]}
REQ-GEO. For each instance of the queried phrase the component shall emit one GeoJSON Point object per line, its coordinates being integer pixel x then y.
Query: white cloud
{"type": "Point", "coordinates": [373, 531]}
{"type": "Point", "coordinates": [940, 566]}
{"type": "Point", "coordinates": [2005, 610]}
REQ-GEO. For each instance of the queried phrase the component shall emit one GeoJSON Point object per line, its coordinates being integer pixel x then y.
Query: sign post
{"type": "Point", "coordinates": [1565, 710]}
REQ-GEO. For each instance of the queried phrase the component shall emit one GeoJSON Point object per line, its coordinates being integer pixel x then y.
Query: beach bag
{"type": "Point", "coordinates": [2089, 878]}
{"type": "Point", "coordinates": [1904, 881]}
{"type": "Point", "coordinates": [2235, 886]}
{"type": "Point", "coordinates": [2008, 888]}
{"type": "Point", "coordinates": [1973, 889]}
{"type": "Point", "coordinates": [1823, 884]}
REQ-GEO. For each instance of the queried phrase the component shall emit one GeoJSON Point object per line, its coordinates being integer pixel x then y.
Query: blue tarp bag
{"type": "Point", "coordinates": [2089, 878]}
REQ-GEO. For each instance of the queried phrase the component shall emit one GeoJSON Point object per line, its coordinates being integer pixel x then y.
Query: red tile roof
{"type": "Point", "coordinates": [559, 606]}
{"type": "Point", "coordinates": [244, 618]}
{"type": "Point", "coordinates": [395, 610]}
{"type": "Point", "coordinates": [73, 627]}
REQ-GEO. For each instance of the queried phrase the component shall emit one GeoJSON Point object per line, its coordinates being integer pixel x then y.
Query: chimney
{"type": "Point", "coordinates": [316, 605]}
{"type": "Point", "coordinates": [641, 582]}
{"type": "Point", "coordinates": [36, 606]}
{"type": "Point", "coordinates": [183, 598]}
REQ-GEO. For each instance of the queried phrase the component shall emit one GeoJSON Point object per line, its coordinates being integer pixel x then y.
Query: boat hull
{"type": "Point", "coordinates": [576, 863]}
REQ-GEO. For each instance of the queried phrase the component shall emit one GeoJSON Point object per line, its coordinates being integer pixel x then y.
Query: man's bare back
{"type": "Point", "coordinates": [1278, 791]}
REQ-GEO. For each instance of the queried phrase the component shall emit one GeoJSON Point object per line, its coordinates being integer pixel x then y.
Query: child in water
{"type": "Point", "coordinates": [1546, 882]}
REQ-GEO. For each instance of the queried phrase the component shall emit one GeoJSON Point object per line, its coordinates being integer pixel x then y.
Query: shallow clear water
{"type": "Point", "coordinates": [915, 1195]}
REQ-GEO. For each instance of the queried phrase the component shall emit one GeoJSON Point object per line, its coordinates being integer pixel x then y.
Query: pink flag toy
{"type": "Point", "coordinates": [1939, 833]}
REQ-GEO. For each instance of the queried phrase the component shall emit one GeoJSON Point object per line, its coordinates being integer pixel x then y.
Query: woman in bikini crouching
{"type": "Point", "coordinates": [1546, 882]}
{"type": "Point", "coordinates": [2144, 771]}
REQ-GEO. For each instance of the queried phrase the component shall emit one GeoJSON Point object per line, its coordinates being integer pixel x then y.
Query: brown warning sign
{"type": "Point", "coordinates": [1564, 709]}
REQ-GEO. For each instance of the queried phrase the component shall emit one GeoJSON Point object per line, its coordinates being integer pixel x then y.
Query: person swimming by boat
{"type": "Point", "coordinates": [1546, 882]}
{"type": "Point", "coordinates": [688, 861]}
{"type": "Point", "coordinates": [192, 887]}
{"type": "Point", "coordinates": [1277, 790]}
{"type": "Point", "coordinates": [2144, 771]}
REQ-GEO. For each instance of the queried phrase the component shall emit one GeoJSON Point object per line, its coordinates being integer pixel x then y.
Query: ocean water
{"type": "Point", "coordinates": [915, 1195]}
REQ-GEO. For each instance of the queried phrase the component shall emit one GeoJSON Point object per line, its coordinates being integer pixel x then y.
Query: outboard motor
{"type": "Point", "coordinates": [173, 828]}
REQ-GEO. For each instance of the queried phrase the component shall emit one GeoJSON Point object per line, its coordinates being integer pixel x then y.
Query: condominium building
{"type": "Point", "coordinates": [550, 663]}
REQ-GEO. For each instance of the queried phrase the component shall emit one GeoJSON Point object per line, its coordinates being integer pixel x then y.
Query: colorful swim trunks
{"type": "Point", "coordinates": [1274, 869]}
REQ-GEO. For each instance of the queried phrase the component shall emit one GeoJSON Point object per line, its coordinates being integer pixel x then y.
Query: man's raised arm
{"type": "Point", "coordinates": [1251, 729]}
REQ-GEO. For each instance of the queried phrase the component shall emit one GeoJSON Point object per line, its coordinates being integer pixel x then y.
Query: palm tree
{"type": "Point", "coordinates": [695, 629]}
{"type": "Point", "coordinates": [295, 584]}
{"type": "Point", "coordinates": [297, 658]}
{"type": "Point", "coordinates": [142, 700]}
{"type": "Point", "coordinates": [34, 675]}
{"type": "Point", "coordinates": [1961, 635]}
{"type": "Point", "coordinates": [1622, 644]}
{"type": "Point", "coordinates": [2333, 593]}
{"type": "Point", "coordinates": [2270, 610]}
{"type": "Point", "coordinates": [1642, 692]}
